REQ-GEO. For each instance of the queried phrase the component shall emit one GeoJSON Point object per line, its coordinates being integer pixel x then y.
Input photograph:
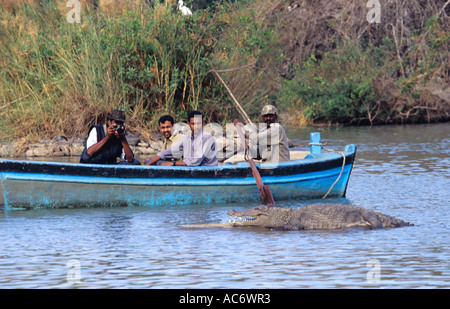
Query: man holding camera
{"type": "Point", "coordinates": [104, 148]}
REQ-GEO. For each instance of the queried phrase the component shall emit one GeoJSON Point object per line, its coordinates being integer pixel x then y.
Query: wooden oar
{"type": "Point", "coordinates": [238, 106]}
{"type": "Point", "coordinates": [266, 194]}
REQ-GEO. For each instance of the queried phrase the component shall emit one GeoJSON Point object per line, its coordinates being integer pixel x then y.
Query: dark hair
{"type": "Point", "coordinates": [165, 118]}
{"type": "Point", "coordinates": [193, 114]}
{"type": "Point", "coordinates": [117, 115]}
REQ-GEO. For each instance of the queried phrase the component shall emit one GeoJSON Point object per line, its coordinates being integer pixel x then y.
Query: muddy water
{"type": "Point", "coordinates": [400, 170]}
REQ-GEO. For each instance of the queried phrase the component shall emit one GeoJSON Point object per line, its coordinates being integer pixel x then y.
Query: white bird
{"type": "Point", "coordinates": [291, 7]}
{"type": "Point", "coordinates": [184, 10]}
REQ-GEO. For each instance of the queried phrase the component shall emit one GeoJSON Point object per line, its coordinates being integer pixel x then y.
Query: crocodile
{"type": "Point", "coordinates": [311, 217]}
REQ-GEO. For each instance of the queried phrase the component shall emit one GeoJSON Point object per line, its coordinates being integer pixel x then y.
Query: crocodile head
{"type": "Point", "coordinates": [259, 216]}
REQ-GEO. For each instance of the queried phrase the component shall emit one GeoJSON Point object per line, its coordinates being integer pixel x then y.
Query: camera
{"type": "Point", "coordinates": [120, 129]}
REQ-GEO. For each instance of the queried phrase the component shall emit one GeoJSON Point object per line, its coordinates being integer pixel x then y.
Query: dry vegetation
{"type": "Point", "coordinates": [407, 54]}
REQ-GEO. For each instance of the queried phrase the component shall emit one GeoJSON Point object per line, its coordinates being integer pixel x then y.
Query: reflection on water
{"type": "Point", "coordinates": [400, 170]}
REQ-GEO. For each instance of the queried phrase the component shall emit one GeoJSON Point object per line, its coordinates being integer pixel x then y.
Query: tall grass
{"type": "Point", "coordinates": [56, 77]}
{"type": "Point", "coordinates": [60, 78]}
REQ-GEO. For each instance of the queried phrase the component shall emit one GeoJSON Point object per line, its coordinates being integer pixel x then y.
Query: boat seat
{"type": "Point", "coordinates": [298, 155]}
{"type": "Point", "coordinates": [237, 158]}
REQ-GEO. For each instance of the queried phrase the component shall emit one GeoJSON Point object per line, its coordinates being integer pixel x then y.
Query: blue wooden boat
{"type": "Point", "coordinates": [34, 184]}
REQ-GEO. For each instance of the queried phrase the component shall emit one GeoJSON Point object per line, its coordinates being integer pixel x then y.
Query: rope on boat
{"type": "Point", "coordinates": [342, 169]}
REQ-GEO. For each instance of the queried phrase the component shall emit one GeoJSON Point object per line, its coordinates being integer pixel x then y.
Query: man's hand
{"type": "Point", "coordinates": [111, 131]}
{"type": "Point", "coordinates": [153, 160]}
{"type": "Point", "coordinates": [168, 163]}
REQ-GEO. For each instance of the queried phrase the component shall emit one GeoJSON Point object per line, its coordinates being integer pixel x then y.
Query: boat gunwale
{"type": "Point", "coordinates": [320, 162]}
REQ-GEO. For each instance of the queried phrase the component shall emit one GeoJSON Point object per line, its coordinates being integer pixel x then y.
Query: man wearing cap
{"type": "Point", "coordinates": [104, 148]}
{"type": "Point", "coordinates": [268, 142]}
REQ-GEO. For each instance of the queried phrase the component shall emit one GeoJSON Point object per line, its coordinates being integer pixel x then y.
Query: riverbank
{"type": "Point", "coordinates": [142, 147]}
{"type": "Point", "coordinates": [69, 147]}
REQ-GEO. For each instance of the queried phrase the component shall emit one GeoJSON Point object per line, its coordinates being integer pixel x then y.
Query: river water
{"type": "Point", "coordinates": [401, 171]}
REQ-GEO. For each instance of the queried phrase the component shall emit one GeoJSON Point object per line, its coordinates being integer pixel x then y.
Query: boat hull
{"type": "Point", "coordinates": [32, 185]}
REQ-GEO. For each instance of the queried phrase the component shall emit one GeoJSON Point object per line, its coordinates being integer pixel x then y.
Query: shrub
{"type": "Point", "coordinates": [339, 87]}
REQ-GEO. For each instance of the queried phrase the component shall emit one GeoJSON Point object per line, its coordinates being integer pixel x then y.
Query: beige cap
{"type": "Point", "coordinates": [269, 109]}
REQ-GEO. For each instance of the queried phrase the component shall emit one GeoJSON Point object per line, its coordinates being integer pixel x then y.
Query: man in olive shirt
{"type": "Point", "coordinates": [165, 127]}
{"type": "Point", "coordinates": [268, 142]}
